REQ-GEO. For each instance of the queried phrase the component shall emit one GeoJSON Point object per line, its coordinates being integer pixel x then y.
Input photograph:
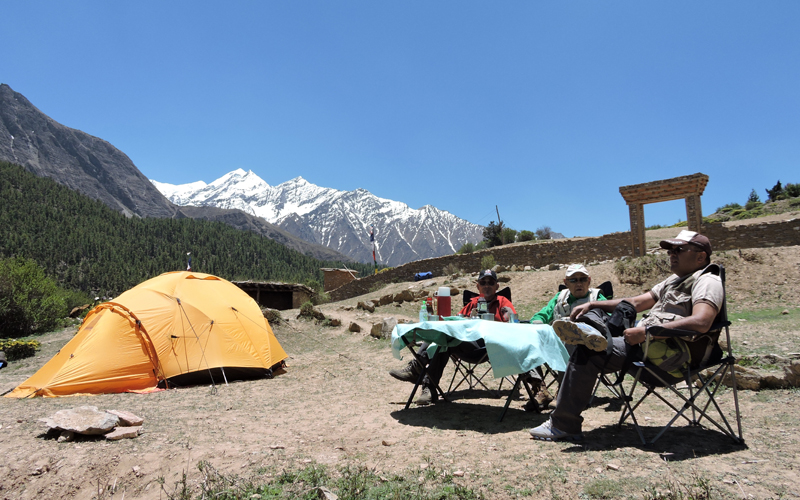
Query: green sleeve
{"type": "Point", "coordinates": [546, 314]}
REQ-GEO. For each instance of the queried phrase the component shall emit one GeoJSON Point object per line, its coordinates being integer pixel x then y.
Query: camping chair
{"type": "Point", "coordinates": [468, 370]}
{"type": "Point", "coordinates": [709, 367]}
{"type": "Point", "coordinates": [607, 289]}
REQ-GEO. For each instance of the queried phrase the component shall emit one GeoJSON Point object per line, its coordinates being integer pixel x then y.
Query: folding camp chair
{"type": "Point", "coordinates": [469, 371]}
{"type": "Point", "coordinates": [709, 366]}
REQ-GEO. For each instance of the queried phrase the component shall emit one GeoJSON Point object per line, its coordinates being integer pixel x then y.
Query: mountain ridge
{"type": "Point", "coordinates": [337, 219]}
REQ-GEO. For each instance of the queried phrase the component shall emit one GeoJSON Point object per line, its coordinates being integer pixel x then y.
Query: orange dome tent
{"type": "Point", "coordinates": [179, 326]}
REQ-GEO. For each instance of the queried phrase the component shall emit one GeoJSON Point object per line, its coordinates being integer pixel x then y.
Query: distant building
{"type": "Point", "coordinates": [281, 296]}
{"type": "Point", "coordinates": [334, 278]}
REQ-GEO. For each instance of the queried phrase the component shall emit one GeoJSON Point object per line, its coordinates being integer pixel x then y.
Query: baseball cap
{"type": "Point", "coordinates": [576, 268]}
{"type": "Point", "coordinates": [688, 238]}
{"type": "Point", "coordinates": [487, 272]}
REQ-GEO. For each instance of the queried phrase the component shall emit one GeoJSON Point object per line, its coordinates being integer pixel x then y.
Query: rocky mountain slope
{"type": "Point", "coordinates": [340, 220]}
{"type": "Point", "coordinates": [92, 166]}
{"type": "Point", "coordinates": [76, 159]}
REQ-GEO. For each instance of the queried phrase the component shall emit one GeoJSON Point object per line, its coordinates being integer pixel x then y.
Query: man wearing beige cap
{"type": "Point", "coordinates": [689, 299]}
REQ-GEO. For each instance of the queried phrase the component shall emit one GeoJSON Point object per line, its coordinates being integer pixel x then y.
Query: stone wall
{"type": "Point", "coordinates": [764, 235]}
{"type": "Point", "coordinates": [542, 253]}
{"type": "Point", "coordinates": [335, 278]}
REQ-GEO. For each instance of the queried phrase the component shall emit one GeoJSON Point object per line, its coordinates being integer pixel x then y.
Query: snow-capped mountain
{"type": "Point", "coordinates": [340, 220]}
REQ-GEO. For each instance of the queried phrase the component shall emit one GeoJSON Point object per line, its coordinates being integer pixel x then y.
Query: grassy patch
{"type": "Point", "coordinates": [312, 482]}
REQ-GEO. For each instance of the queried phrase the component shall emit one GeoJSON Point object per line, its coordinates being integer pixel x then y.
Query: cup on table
{"type": "Point", "coordinates": [487, 316]}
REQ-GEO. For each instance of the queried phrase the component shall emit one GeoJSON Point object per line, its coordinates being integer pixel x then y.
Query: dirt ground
{"type": "Point", "coordinates": [336, 405]}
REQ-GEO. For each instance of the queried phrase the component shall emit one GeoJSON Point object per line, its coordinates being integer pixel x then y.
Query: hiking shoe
{"type": "Point", "coordinates": [409, 373]}
{"type": "Point", "coordinates": [426, 397]}
{"type": "Point", "coordinates": [543, 397]}
{"type": "Point", "coordinates": [546, 432]}
{"type": "Point", "coordinates": [532, 406]}
{"type": "Point", "coordinates": [580, 334]}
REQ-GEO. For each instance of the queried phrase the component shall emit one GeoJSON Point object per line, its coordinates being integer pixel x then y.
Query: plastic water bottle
{"type": "Point", "coordinates": [481, 307]}
{"type": "Point", "coordinates": [423, 313]}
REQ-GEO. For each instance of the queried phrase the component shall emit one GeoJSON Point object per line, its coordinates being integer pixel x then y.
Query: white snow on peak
{"type": "Point", "coordinates": [338, 219]}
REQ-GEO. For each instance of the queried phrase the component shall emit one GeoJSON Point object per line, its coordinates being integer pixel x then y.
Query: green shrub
{"type": "Point", "coordinates": [508, 235]}
{"type": "Point", "coordinates": [526, 235]}
{"type": "Point", "coordinates": [18, 349]}
{"type": "Point", "coordinates": [792, 190]}
{"type": "Point", "coordinates": [642, 269]}
{"type": "Point", "coordinates": [466, 248]}
{"type": "Point", "coordinates": [729, 207]}
{"type": "Point", "coordinates": [488, 262]}
{"type": "Point", "coordinates": [30, 302]}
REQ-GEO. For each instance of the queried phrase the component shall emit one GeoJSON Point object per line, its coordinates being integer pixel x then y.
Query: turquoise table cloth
{"type": "Point", "coordinates": [512, 347]}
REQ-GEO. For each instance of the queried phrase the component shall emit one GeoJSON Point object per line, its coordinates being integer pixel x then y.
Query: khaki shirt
{"type": "Point", "coordinates": [676, 296]}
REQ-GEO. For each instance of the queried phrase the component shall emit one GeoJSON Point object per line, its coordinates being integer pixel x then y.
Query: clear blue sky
{"type": "Point", "coordinates": [542, 108]}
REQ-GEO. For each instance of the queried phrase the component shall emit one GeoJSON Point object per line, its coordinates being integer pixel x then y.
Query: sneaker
{"type": "Point", "coordinates": [543, 397]}
{"type": "Point", "coordinates": [426, 397]}
{"type": "Point", "coordinates": [546, 432]}
{"type": "Point", "coordinates": [580, 334]}
{"type": "Point", "coordinates": [409, 373]}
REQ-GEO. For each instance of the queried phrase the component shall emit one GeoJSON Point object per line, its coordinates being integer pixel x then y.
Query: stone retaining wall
{"type": "Point", "coordinates": [542, 253]}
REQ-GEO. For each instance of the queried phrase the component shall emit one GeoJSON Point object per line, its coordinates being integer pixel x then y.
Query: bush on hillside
{"type": "Point", "coordinates": [466, 248]}
{"type": "Point", "coordinates": [526, 235]}
{"type": "Point", "coordinates": [30, 302]}
{"type": "Point", "coordinates": [641, 270]}
{"type": "Point", "coordinates": [488, 262]}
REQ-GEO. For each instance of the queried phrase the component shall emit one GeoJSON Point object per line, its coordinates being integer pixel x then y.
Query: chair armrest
{"type": "Point", "coordinates": [660, 331]}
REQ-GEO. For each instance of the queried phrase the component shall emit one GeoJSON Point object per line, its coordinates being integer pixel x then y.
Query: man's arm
{"type": "Point", "coordinates": [700, 321]}
{"type": "Point", "coordinates": [641, 303]}
{"type": "Point", "coordinates": [546, 314]}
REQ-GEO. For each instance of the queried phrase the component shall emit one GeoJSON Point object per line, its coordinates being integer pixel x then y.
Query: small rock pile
{"type": "Point", "coordinates": [89, 421]}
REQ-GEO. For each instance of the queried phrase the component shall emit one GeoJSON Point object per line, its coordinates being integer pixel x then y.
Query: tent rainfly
{"type": "Point", "coordinates": [176, 328]}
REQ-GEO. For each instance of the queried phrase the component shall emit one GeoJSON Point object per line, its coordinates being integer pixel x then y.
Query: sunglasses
{"type": "Point", "coordinates": [679, 250]}
{"type": "Point", "coordinates": [487, 283]}
{"type": "Point", "coordinates": [577, 280]}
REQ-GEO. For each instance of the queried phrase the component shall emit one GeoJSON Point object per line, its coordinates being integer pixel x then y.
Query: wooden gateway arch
{"type": "Point", "coordinates": [689, 187]}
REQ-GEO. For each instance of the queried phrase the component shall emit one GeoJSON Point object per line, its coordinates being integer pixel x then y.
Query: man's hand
{"type": "Point", "coordinates": [580, 310]}
{"type": "Point", "coordinates": [635, 335]}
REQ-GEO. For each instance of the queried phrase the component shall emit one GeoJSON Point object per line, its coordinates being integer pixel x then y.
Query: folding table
{"type": "Point", "coordinates": [513, 348]}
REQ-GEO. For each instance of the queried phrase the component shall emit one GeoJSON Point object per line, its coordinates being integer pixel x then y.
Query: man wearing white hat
{"type": "Point", "coordinates": [689, 299]}
{"type": "Point", "coordinates": [577, 292]}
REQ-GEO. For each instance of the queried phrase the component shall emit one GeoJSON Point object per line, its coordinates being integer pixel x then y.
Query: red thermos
{"type": "Point", "coordinates": [443, 301]}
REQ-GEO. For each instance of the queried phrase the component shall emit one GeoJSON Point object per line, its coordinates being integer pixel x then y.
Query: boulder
{"type": "Point", "coordinates": [126, 418]}
{"type": "Point", "coordinates": [375, 331]}
{"type": "Point", "coordinates": [354, 327]}
{"type": "Point", "coordinates": [514, 268]}
{"type": "Point", "coordinates": [792, 373]}
{"type": "Point", "coordinates": [87, 420]}
{"type": "Point", "coordinates": [745, 378]}
{"type": "Point", "coordinates": [272, 315]}
{"type": "Point", "coordinates": [503, 279]}
{"type": "Point", "coordinates": [404, 296]}
{"type": "Point", "coordinates": [386, 299]}
{"type": "Point", "coordinates": [421, 294]}
{"type": "Point", "coordinates": [387, 326]}
{"type": "Point", "coordinates": [334, 322]}
{"type": "Point", "coordinates": [499, 269]}
{"type": "Point", "coordinates": [124, 433]}
{"type": "Point", "coordinates": [367, 306]}
{"type": "Point", "coordinates": [77, 311]}
{"type": "Point", "coordinates": [527, 268]}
